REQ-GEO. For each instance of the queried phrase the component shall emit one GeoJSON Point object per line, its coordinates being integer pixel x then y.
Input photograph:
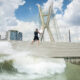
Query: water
{"type": "Point", "coordinates": [19, 65]}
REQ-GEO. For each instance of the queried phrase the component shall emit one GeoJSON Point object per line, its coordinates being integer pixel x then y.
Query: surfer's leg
{"type": "Point", "coordinates": [38, 42]}
{"type": "Point", "coordinates": [32, 42]}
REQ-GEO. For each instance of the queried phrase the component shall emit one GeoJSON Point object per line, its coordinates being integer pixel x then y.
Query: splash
{"type": "Point", "coordinates": [39, 66]}
{"type": "Point", "coordinates": [5, 47]}
{"type": "Point", "coordinates": [30, 65]}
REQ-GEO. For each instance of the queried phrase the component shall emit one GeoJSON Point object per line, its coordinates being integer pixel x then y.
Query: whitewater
{"type": "Point", "coordinates": [21, 65]}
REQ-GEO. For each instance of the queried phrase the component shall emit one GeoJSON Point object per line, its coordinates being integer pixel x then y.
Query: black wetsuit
{"type": "Point", "coordinates": [36, 35]}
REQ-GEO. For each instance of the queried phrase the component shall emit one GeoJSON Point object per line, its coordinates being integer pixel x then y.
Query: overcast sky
{"type": "Point", "coordinates": [23, 15]}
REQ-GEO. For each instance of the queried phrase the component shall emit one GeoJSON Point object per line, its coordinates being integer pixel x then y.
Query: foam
{"type": "Point", "coordinates": [31, 65]}
{"type": "Point", "coordinates": [5, 47]}
{"type": "Point", "coordinates": [39, 66]}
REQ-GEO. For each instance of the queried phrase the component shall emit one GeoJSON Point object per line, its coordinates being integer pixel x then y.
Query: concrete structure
{"type": "Point", "coordinates": [69, 36]}
{"type": "Point", "coordinates": [0, 37]}
{"type": "Point", "coordinates": [47, 49]}
{"type": "Point", "coordinates": [14, 35]}
{"type": "Point", "coordinates": [69, 51]}
{"type": "Point", "coordinates": [45, 25]}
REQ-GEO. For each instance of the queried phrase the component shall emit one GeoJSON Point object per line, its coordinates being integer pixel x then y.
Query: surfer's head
{"type": "Point", "coordinates": [36, 29]}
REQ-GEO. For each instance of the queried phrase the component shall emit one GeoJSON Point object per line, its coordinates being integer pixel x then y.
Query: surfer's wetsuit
{"type": "Point", "coordinates": [36, 35]}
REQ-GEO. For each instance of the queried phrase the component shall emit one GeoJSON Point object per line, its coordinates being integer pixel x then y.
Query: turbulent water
{"type": "Point", "coordinates": [19, 65]}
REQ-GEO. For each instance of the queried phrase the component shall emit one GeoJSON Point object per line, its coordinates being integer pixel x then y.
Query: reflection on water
{"type": "Point", "coordinates": [20, 66]}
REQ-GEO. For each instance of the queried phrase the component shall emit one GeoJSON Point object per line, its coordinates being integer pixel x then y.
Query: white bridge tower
{"type": "Point", "coordinates": [46, 25]}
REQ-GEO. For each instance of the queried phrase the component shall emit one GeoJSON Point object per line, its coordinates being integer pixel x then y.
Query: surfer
{"type": "Point", "coordinates": [36, 37]}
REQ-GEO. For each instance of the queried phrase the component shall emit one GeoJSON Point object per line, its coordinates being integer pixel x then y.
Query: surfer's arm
{"type": "Point", "coordinates": [39, 32]}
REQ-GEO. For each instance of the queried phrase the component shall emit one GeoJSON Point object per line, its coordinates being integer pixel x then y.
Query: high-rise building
{"type": "Point", "coordinates": [14, 35]}
{"type": "Point", "coordinates": [20, 36]}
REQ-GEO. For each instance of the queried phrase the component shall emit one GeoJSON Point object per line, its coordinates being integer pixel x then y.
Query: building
{"type": "Point", "coordinates": [13, 35]}
{"type": "Point", "coordinates": [20, 36]}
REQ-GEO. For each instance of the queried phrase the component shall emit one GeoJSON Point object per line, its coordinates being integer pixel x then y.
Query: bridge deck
{"type": "Point", "coordinates": [47, 49]}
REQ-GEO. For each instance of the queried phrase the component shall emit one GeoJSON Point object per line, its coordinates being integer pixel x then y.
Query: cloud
{"type": "Point", "coordinates": [8, 19]}
{"type": "Point", "coordinates": [57, 5]}
{"type": "Point", "coordinates": [7, 13]}
{"type": "Point", "coordinates": [72, 13]}
{"type": "Point", "coordinates": [27, 28]}
{"type": "Point", "coordinates": [69, 20]}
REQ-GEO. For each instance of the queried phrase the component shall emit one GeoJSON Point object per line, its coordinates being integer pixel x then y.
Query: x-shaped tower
{"type": "Point", "coordinates": [45, 25]}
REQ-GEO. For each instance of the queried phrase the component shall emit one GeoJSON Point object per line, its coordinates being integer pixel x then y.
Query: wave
{"type": "Point", "coordinates": [32, 65]}
{"type": "Point", "coordinates": [7, 66]}
{"type": "Point", "coordinates": [21, 62]}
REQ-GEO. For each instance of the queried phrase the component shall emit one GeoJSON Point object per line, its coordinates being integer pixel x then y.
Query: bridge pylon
{"type": "Point", "coordinates": [45, 25]}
